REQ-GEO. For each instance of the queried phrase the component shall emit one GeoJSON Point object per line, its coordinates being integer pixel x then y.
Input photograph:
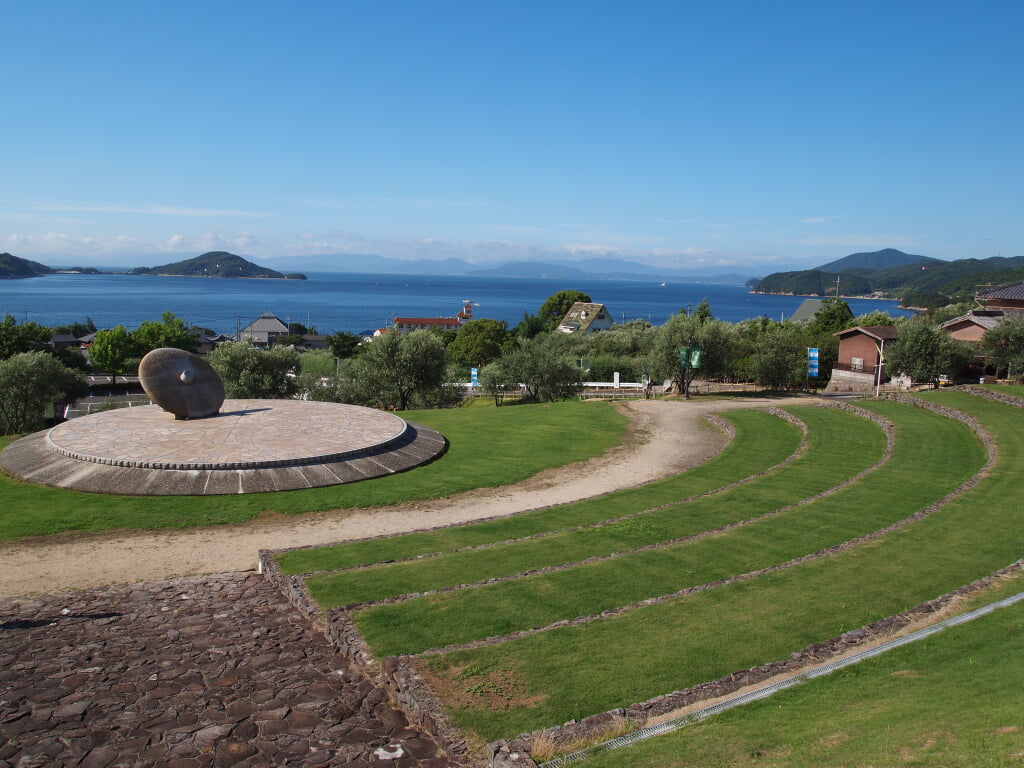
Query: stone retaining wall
{"type": "Point", "coordinates": [397, 675]}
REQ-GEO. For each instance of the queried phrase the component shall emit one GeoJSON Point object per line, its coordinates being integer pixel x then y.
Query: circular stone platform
{"type": "Point", "coordinates": [250, 446]}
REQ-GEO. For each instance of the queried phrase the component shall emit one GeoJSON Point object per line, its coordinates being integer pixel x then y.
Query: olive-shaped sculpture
{"type": "Point", "coordinates": [181, 383]}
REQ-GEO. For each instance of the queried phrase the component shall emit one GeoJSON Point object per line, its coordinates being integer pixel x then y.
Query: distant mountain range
{"type": "Point", "coordinates": [217, 264]}
{"type": "Point", "coordinates": [596, 268]}
{"type": "Point", "coordinates": [918, 281]}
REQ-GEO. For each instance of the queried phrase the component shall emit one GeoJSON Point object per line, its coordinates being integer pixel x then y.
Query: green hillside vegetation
{"type": "Point", "coordinates": [13, 267]}
{"type": "Point", "coordinates": [883, 259]}
{"type": "Point", "coordinates": [216, 264]}
{"type": "Point", "coordinates": [814, 282]}
{"type": "Point", "coordinates": [926, 283]}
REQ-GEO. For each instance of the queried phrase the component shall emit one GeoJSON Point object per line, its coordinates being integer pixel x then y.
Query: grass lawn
{"type": "Point", "coordinates": [587, 535]}
{"type": "Point", "coordinates": [786, 485]}
{"type": "Point", "coordinates": [527, 438]}
{"type": "Point", "coordinates": [571, 672]}
{"type": "Point", "coordinates": [923, 469]}
{"type": "Point", "coordinates": [950, 701]}
{"type": "Point", "coordinates": [1015, 390]}
{"type": "Point", "coordinates": [762, 441]}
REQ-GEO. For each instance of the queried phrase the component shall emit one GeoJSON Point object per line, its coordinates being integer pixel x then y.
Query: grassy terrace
{"type": "Point", "coordinates": [764, 441]}
{"type": "Point", "coordinates": [563, 672]}
{"type": "Point", "coordinates": [529, 438]}
{"type": "Point", "coordinates": [537, 601]}
{"type": "Point", "coordinates": [786, 485]}
{"type": "Point", "coordinates": [918, 705]}
{"type": "Point", "coordinates": [571, 672]}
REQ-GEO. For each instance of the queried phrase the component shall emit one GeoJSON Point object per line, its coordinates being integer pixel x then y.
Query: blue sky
{"type": "Point", "coordinates": [756, 136]}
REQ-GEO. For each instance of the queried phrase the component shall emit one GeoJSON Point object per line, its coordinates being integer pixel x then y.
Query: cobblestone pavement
{"type": "Point", "coordinates": [205, 671]}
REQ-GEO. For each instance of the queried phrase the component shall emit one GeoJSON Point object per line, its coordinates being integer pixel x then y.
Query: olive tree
{"type": "Point", "coordinates": [1004, 345]}
{"type": "Point", "coordinates": [538, 366]}
{"type": "Point", "coordinates": [248, 372]}
{"type": "Point", "coordinates": [29, 382]}
{"type": "Point", "coordinates": [497, 381]}
{"type": "Point", "coordinates": [924, 352]}
{"type": "Point", "coordinates": [779, 360]}
{"type": "Point", "coordinates": [715, 340]}
{"type": "Point", "coordinates": [394, 369]}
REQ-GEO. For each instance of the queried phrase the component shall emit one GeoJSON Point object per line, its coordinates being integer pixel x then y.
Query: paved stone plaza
{"type": "Point", "coordinates": [251, 446]}
{"type": "Point", "coordinates": [204, 671]}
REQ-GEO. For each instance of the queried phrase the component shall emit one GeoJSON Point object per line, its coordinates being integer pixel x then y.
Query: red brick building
{"type": "Point", "coordinates": [860, 366]}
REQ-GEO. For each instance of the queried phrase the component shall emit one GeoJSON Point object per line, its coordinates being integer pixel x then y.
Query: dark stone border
{"type": "Point", "coordinates": [31, 459]}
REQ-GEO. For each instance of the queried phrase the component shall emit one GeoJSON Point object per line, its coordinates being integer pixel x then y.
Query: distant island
{"type": "Point", "coordinates": [217, 264]}
{"type": "Point", "coordinates": [13, 267]}
{"type": "Point", "coordinates": [919, 282]}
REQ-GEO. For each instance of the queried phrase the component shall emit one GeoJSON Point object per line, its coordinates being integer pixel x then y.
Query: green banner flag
{"type": "Point", "coordinates": [695, 358]}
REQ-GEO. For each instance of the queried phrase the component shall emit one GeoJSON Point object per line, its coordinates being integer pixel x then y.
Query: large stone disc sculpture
{"type": "Point", "coordinates": [194, 442]}
{"type": "Point", "coordinates": [181, 383]}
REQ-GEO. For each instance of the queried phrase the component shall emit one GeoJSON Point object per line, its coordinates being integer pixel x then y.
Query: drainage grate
{"type": "Point", "coordinates": [768, 690]}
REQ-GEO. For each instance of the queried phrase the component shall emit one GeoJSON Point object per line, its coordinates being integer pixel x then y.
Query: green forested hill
{"type": "Point", "coordinates": [883, 259]}
{"type": "Point", "coordinates": [814, 282]}
{"type": "Point", "coordinates": [13, 266]}
{"type": "Point", "coordinates": [922, 283]}
{"type": "Point", "coordinates": [216, 264]}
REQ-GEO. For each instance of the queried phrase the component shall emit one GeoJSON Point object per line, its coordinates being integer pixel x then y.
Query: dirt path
{"type": "Point", "coordinates": [665, 437]}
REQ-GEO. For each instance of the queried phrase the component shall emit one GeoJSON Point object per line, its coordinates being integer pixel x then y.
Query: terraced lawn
{"type": "Point", "coordinates": [951, 701]}
{"type": "Point", "coordinates": [763, 442]}
{"type": "Point", "coordinates": [786, 485]}
{"type": "Point", "coordinates": [620, 599]}
{"type": "Point", "coordinates": [922, 469]}
{"type": "Point", "coordinates": [571, 672]}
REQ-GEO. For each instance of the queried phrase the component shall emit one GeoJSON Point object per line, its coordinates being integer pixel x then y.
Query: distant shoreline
{"type": "Point", "coordinates": [844, 296]}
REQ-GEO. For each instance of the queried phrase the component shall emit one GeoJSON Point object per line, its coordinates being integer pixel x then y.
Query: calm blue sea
{"type": "Point", "coordinates": [362, 302]}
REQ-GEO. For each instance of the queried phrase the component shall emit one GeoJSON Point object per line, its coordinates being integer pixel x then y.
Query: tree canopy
{"type": "Point", "coordinates": [24, 337]}
{"type": "Point", "coordinates": [554, 308]}
{"type": "Point", "coordinates": [396, 368]}
{"type": "Point", "coordinates": [715, 339]}
{"type": "Point", "coordinates": [248, 372]}
{"type": "Point", "coordinates": [924, 352]}
{"type": "Point", "coordinates": [112, 351]}
{"type": "Point", "coordinates": [31, 381]}
{"type": "Point", "coordinates": [477, 343]}
{"type": "Point", "coordinates": [1004, 345]}
{"type": "Point", "coordinates": [169, 332]}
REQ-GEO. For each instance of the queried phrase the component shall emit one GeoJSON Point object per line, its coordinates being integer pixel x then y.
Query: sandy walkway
{"type": "Point", "coordinates": [665, 436]}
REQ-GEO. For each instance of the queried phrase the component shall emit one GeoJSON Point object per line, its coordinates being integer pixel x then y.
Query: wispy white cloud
{"type": "Point", "coordinates": [819, 219]}
{"type": "Point", "coordinates": [394, 203]}
{"type": "Point", "coordinates": [157, 210]}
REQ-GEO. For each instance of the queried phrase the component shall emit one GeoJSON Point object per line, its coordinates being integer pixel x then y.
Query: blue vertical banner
{"type": "Point", "coordinates": [472, 378]}
{"type": "Point", "coordinates": [812, 361]}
